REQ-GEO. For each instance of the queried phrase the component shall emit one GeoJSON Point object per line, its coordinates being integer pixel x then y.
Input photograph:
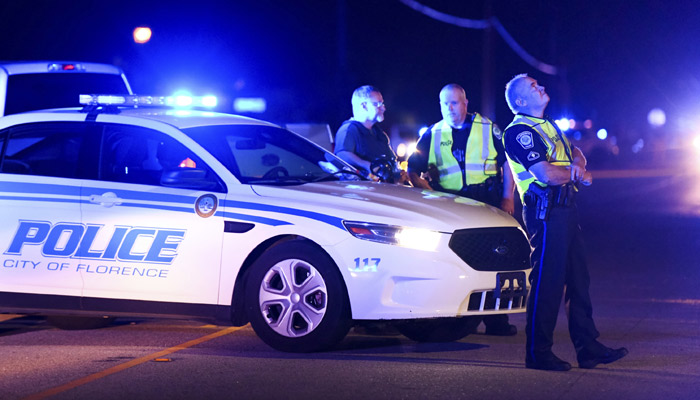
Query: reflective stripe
{"type": "Point", "coordinates": [558, 150]}
{"type": "Point", "coordinates": [480, 154]}
{"type": "Point", "coordinates": [525, 175]}
{"type": "Point", "coordinates": [485, 139]}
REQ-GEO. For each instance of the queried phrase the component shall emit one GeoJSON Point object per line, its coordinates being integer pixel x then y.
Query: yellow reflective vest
{"type": "Point", "coordinates": [558, 150]}
{"type": "Point", "coordinates": [480, 154]}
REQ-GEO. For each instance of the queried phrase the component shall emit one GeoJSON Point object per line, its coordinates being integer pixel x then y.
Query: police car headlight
{"type": "Point", "coordinates": [414, 238]}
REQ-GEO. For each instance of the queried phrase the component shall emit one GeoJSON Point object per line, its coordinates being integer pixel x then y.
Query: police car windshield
{"type": "Point", "coordinates": [266, 155]}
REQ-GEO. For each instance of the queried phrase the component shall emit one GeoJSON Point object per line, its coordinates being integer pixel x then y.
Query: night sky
{"type": "Point", "coordinates": [618, 59]}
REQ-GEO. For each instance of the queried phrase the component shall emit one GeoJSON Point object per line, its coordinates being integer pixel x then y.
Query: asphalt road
{"type": "Point", "coordinates": [643, 239]}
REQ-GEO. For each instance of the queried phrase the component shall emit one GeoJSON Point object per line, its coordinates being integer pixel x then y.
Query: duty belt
{"type": "Point", "coordinates": [545, 198]}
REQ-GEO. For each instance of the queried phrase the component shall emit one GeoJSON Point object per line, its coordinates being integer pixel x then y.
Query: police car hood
{"type": "Point", "coordinates": [388, 204]}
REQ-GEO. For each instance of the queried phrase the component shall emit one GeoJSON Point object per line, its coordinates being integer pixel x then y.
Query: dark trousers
{"type": "Point", "coordinates": [559, 268]}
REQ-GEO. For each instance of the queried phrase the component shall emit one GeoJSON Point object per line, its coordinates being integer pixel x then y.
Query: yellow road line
{"type": "Point", "coordinates": [121, 367]}
{"type": "Point", "coordinates": [634, 173]}
{"type": "Point", "coordinates": [7, 317]}
{"type": "Point", "coordinates": [690, 302]}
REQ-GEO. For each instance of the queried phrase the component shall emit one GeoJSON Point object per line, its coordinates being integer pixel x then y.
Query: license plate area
{"type": "Point", "coordinates": [510, 286]}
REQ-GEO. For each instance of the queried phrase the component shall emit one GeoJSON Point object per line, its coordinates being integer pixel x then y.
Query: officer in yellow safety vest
{"type": "Point", "coordinates": [459, 155]}
{"type": "Point", "coordinates": [547, 168]}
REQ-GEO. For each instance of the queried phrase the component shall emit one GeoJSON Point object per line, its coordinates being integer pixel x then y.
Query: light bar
{"type": "Point", "coordinates": [153, 101]}
{"type": "Point", "coordinates": [56, 67]}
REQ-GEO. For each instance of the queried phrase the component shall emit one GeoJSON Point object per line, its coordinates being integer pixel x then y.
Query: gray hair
{"type": "Point", "coordinates": [512, 93]}
{"type": "Point", "coordinates": [362, 94]}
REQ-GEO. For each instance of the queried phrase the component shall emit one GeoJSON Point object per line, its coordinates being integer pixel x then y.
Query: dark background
{"type": "Point", "coordinates": [617, 59]}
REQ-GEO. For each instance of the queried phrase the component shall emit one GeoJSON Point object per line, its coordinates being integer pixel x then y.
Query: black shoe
{"type": "Point", "coordinates": [596, 353]}
{"type": "Point", "coordinates": [547, 362]}
{"type": "Point", "coordinates": [501, 330]}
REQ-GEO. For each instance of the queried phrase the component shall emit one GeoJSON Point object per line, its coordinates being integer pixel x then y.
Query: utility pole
{"type": "Point", "coordinates": [488, 101]}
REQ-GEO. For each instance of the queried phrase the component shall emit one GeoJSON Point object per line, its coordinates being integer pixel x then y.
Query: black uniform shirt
{"type": "Point", "coordinates": [524, 145]}
{"type": "Point", "coordinates": [367, 144]}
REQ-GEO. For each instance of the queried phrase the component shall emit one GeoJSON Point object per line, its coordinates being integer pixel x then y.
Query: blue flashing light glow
{"type": "Point", "coordinates": [250, 104]}
{"type": "Point", "coordinates": [183, 101]}
{"type": "Point", "coordinates": [209, 101]}
{"type": "Point", "coordinates": [602, 134]}
{"type": "Point", "coordinates": [577, 135]}
{"type": "Point", "coordinates": [563, 124]}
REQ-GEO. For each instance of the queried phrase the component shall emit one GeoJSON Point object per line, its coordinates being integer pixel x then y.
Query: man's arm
{"type": "Point", "coordinates": [418, 182]}
{"type": "Point", "coordinates": [507, 203]}
{"type": "Point", "coordinates": [555, 175]}
{"type": "Point", "coordinates": [352, 159]}
{"type": "Point", "coordinates": [578, 166]}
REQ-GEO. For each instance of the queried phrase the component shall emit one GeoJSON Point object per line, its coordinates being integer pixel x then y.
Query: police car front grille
{"type": "Point", "coordinates": [485, 301]}
{"type": "Point", "coordinates": [492, 249]}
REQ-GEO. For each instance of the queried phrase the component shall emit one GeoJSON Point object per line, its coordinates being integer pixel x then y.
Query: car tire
{"type": "Point", "coordinates": [296, 299]}
{"type": "Point", "coordinates": [438, 330]}
{"type": "Point", "coordinates": [74, 323]}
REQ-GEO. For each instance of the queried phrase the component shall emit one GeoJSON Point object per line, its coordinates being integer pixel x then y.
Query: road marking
{"type": "Point", "coordinates": [121, 367]}
{"type": "Point", "coordinates": [7, 317]}
{"type": "Point", "coordinates": [634, 173]}
{"type": "Point", "coordinates": [691, 302]}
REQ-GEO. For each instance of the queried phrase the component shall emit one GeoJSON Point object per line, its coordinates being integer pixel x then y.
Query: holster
{"type": "Point", "coordinates": [542, 197]}
{"type": "Point", "coordinates": [550, 196]}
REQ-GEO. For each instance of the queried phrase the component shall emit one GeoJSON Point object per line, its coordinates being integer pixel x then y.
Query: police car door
{"type": "Point", "coordinates": [151, 230]}
{"type": "Point", "coordinates": [40, 229]}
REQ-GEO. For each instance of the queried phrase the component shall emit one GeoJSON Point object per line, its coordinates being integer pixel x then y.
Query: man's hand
{"type": "Point", "coordinates": [577, 172]}
{"type": "Point", "coordinates": [404, 179]}
{"type": "Point", "coordinates": [508, 205]}
{"type": "Point", "coordinates": [587, 179]}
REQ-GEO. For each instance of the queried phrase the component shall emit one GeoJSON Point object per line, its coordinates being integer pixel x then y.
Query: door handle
{"type": "Point", "coordinates": [107, 199]}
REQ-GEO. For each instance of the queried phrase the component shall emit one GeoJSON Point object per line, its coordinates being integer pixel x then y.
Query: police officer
{"type": "Point", "coordinates": [547, 170]}
{"type": "Point", "coordinates": [360, 140]}
{"type": "Point", "coordinates": [459, 155]}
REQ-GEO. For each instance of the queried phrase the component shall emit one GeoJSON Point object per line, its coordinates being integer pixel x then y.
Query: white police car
{"type": "Point", "coordinates": [118, 211]}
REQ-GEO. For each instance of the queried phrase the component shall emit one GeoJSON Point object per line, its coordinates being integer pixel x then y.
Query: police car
{"type": "Point", "coordinates": [129, 210]}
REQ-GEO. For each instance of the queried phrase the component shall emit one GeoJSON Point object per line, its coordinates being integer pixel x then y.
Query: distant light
{"type": "Point", "coordinates": [588, 124]}
{"type": "Point", "coordinates": [411, 149]}
{"type": "Point", "coordinates": [577, 135]}
{"type": "Point", "coordinates": [250, 104]}
{"type": "Point", "coordinates": [422, 130]}
{"type": "Point", "coordinates": [696, 142]}
{"type": "Point", "coordinates": [401, 149]}
{"type": "Point", "coordinates": [572, 124]}
{"type": "Point", "coordinates": [563, 124]}
{"type": "Point", "coordinates": [656, 117]}
{"type": "Point", "coordinates": [602, 134]}
{"type": "Point", "coordinates": [142, 34]}
{"type": "Point", "coordinates": [638, 146]}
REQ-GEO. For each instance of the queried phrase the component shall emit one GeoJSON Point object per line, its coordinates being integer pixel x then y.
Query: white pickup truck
{"type": "Point", "coordinates": [36, 85]}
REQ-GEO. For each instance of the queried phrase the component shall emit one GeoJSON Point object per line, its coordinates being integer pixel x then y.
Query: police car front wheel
{"type": "Point", "coordinates": [296, 299]}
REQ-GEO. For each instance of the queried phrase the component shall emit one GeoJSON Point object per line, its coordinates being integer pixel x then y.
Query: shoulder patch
{"type": "Point", "coordinates": [525, 139]}
{"type": "Point", "coordinates": [533, 155]}
{"type": "Point", "coordinates": [497, 132]}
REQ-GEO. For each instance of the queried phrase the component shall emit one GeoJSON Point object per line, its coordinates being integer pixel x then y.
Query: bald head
{"type": "Point", "coordinates": [453, 105]}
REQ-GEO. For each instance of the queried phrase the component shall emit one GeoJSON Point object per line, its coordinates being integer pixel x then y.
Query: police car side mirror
{"type": "Point", "coordinates": [188, 178]}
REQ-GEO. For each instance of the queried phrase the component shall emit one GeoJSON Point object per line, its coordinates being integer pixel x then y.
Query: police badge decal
{"type": "Point", "coordinates": [205, 206]}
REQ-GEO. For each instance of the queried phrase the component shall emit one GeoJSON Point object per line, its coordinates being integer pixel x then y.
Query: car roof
{"type": "Point", "coordinates": [179, 118]}
{"type": "Point", "coordinates": [43, 66]}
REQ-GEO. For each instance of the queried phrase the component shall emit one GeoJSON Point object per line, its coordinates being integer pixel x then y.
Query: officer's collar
{"type": "Point", "coordinates": [545, 117]}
